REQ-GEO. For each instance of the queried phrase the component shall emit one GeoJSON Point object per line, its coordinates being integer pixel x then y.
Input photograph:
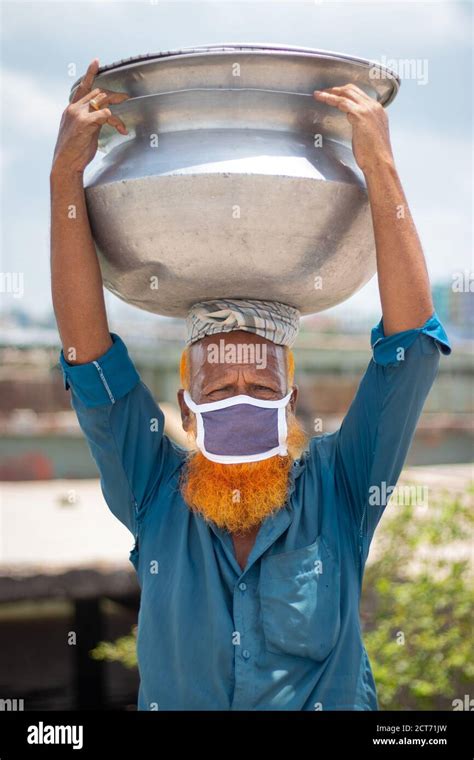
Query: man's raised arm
{"type": "Point", "coordinates": [403, 279]}
{"type": "Point", "coordinates": [374, 438]}
{"type": "Point", "coordinates": [76, 280]}
{"type": "Point", "coordinates": [118, 415]}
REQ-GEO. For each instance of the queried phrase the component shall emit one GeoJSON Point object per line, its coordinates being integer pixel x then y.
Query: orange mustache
{"type": "Point", "coordinates": [238, 497]}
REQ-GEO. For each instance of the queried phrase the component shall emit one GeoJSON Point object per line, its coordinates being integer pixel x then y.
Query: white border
{"type": "Point", "coordinates": [234, 400]}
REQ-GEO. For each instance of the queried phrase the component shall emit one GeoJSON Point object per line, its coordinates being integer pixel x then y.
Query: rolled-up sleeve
{"type": "Point", "coordinates": [374, 438]}
{"type": "Point", "coordinates": [124, 428]}
{"type": "Point", "coordinates": [103, 381]}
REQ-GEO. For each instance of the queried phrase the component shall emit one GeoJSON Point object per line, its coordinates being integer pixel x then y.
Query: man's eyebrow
{"type": "Point", "coordinates": [216, 385]}
{"type": "Point", "coordinates": [218, 382]}
{"type": "Point", "coordinates": [255, 378]}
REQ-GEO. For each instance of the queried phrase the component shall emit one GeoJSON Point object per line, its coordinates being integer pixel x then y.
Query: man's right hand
{"type": "Point", "coordinates": [80, 125]}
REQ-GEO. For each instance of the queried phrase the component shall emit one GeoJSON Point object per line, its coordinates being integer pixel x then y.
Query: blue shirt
{"type": "Point", "coordinates": [284, 633]}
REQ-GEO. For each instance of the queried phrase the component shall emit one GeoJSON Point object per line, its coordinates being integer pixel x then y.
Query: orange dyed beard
{"type": "Point", "coordinates": [238, 497]}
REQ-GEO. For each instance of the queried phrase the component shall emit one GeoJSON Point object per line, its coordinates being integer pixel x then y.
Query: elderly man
{"type": "Point", "coordinates": [250, 549]}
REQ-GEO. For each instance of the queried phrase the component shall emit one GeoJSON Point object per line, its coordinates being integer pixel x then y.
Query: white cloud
{"type": "Point", "coordinates": [426, 23]}
{"type": "Point", "coordinates": [30, 107]}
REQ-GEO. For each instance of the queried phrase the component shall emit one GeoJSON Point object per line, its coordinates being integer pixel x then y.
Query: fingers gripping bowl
{"type": "Point", "coordinates": [233, 181]}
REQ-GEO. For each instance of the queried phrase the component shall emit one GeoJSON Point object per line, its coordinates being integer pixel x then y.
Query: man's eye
{"type": "Point", "coordinates": [226, 389]}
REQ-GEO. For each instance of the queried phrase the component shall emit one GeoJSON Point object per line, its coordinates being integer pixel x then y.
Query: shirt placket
{"type": "Point", "coordinates": [245, 613]}
{"type": "Point", "coordinates": [246, 644]}
{"type": "Point", "coordinates": [248, 638]}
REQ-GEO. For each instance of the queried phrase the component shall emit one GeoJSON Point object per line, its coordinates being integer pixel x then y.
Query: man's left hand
{"type": "Point", "coordinates": [370, 132]}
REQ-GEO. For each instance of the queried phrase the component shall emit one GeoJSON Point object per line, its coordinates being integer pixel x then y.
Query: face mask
{"type": "Point", "coordinates": [240, 428]}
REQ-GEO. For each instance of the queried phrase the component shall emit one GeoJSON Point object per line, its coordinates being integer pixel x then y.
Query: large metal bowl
{"type": "Point", "coordinates": [221, 187]}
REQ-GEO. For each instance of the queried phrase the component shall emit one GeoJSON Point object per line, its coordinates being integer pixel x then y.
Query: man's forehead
{"type": "Point", "coordinates": [234, 350]}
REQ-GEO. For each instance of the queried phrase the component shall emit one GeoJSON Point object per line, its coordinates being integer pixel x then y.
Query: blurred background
{"type": "Point", "coordinates": [68, 593]}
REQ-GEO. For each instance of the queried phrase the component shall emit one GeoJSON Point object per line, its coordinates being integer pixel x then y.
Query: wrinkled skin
{"type": "Point", "coordinates": [213, 382]}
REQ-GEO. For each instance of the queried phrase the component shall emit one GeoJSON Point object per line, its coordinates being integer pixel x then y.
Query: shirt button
{"type": "Point", "coordinates": [246, 654]}
{"type": "Point", "coordinates": [243, 586]}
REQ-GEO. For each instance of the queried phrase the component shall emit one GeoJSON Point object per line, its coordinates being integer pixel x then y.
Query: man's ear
{"type": "Point", "coordinates": [294, 398]}
{"type": "Point", "coordinates": [185, 411]}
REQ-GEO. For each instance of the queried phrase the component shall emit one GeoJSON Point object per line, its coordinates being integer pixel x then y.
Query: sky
{"type": "Point", "coordinates": [430, 120]}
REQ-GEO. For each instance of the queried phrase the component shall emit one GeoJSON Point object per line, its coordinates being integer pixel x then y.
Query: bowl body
{"type": "Point", "coordinates": [233, 181]}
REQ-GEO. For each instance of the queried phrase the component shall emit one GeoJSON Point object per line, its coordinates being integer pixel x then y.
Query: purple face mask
{"type": "Point", "coordinates": [241, 428]}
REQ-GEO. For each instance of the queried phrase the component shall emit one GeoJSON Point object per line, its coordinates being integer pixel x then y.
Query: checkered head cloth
{"type": "Point", "coordinates": [272, 320]}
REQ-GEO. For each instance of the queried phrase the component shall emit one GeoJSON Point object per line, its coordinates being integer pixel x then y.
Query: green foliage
{"type": "Point", "coordinates": [417, 605]}
{"type": "Point", "coordinates": [416, 608]}
{"type": "Point", "coordinates": [122, 650]}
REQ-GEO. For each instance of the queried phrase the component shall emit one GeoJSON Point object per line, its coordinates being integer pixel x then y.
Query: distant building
{"type": "Point", "coordinates": [455, 306]}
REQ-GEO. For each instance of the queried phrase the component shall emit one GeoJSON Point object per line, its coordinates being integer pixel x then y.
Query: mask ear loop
{"type": "Point", "coordinates": [282, 430]}
{"type": "Point", "coordinates": [200, 431]}
{"type": "Point", "coordinates": [199, 421]}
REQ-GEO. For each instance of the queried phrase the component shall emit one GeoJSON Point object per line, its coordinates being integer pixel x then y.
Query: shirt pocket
{"type": "Point", "coordinates": [300, 601]}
